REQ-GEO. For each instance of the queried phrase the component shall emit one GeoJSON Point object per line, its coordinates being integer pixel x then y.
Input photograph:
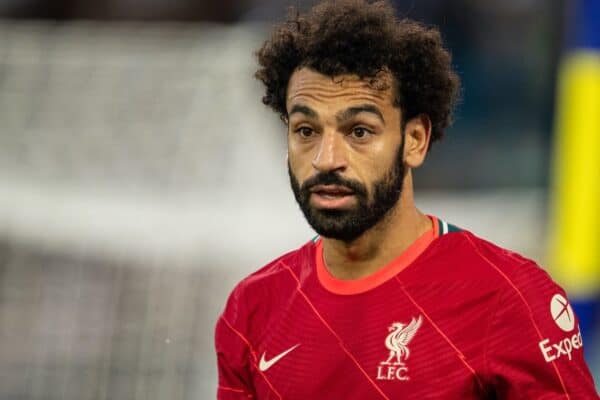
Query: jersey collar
{"type": "Point", "coordinates": [356, 286]}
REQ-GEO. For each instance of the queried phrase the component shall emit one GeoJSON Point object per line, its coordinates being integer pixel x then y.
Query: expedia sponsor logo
{"type": "Point", "coordinates": [563, 316]}
{"type": "Point", "coordinates": [563, 348]}
{"type": "Point", "coordinates": [562, 313]}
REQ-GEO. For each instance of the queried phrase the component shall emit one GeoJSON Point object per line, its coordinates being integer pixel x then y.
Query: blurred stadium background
{"type": "Point", "coordinates": [141, 177]}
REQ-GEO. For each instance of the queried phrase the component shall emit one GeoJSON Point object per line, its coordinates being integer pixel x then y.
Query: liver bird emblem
{"type": "Point", "coordinates": [399, 337]}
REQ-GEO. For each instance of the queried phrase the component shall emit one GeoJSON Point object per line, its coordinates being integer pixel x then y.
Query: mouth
{"type": "Point", "coordinates": [332, 196]}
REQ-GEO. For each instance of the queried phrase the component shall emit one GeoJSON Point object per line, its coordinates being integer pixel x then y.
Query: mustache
{"type": "Point", "coordinates": [333, 178]}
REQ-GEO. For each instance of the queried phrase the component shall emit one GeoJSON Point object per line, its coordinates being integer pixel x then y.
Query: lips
{"type": "Point", "coordinates": [331, 196]}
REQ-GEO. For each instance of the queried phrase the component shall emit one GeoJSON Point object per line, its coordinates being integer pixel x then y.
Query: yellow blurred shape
{"type": "Point", "coordinates": [575, 220]}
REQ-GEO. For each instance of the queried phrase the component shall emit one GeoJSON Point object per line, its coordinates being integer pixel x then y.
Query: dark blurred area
{"type": "Point", "coordinates": [149, 10]}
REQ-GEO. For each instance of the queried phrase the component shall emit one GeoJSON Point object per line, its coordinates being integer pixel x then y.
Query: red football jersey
{"type": "Point", "coordinates": [453, 317]}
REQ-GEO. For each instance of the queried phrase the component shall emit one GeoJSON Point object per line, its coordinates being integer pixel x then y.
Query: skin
{"type": "Point", "coordinates": [326, 133]}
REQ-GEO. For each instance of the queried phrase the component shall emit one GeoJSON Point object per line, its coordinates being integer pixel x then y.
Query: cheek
{"type": "Point", "coordinates": [372, 165]}
{"type": "Point", "coordinates": [300, 160]}
{"type": "Point", "coordinates": [388, 151]}
{"type": "Point", "coordinates": [384, 150]}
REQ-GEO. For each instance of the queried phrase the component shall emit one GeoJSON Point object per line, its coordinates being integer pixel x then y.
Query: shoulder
{"type": "Point", "coordinates": [490, 268]}
{"type": "Point", "coordinates": [264, 287]}
{"type": "Point", "coordinates": [518, 280]}
{"type": "Point", "coordinates": [482, 258]}
{"type": "Point", "coordinates": [531, 332]}
{"type": "Point", "coordinates": [278, 268]}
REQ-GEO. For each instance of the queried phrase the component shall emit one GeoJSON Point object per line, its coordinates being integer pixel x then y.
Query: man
{"type": "Point", "coordinates": [386, 303]}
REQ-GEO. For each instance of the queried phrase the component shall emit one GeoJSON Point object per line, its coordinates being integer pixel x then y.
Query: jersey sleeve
{"type": "Point", "coordinates": [534, 346]}
{"type": "Point", "coordinates": [233, 355]}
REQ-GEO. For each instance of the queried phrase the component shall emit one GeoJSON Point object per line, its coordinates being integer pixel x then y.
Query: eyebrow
{"type": "Point", "coordinates": [352, 111]}
{"type": "Point", "coordinates": [302, 109]}
{"type": "Point", "coordinates": [340, 116]}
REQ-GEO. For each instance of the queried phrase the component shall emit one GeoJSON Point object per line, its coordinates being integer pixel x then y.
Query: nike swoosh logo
{"type": "Point", "coordinates": [264, 365]}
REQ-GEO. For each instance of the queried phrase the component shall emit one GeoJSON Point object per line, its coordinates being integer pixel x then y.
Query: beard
{"type": "Point", "coordinates": [350, 223]}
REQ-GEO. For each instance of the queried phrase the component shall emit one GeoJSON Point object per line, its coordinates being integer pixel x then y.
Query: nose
{"type": "Point", "coordinates": [331, 155]}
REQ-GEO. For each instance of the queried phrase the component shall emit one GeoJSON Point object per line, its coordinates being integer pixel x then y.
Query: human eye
{"type": "Point", "coordinates": [305, 132]}
{"type": "Point", "coordinates": [360, 132]}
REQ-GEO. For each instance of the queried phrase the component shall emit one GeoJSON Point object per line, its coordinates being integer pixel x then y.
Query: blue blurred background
{"type": "Point", "coordinates": [141, 177]}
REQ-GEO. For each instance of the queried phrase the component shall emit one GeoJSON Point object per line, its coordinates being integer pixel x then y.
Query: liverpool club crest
{"type": "Point", "coordinates": [394, 368]}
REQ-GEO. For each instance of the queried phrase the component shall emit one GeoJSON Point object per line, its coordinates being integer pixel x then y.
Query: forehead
{"type": "Point", "coordinates": [309, 86]}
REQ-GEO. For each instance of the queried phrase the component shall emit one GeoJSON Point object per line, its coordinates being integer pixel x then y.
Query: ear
{"type": "Point", "coordinates": [417, 134]}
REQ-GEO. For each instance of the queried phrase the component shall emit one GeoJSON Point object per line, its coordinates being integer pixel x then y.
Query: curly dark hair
{"type": "Point", "coordinates": [363, 38]}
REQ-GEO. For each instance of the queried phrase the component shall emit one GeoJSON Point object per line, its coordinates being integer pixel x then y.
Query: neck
{"type": "Point", "coordinates": [381, 244]}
